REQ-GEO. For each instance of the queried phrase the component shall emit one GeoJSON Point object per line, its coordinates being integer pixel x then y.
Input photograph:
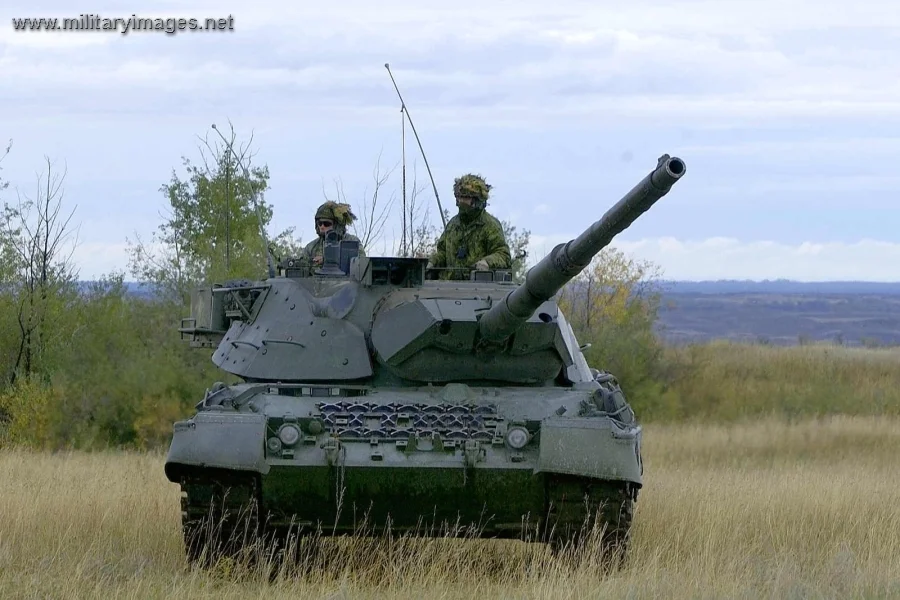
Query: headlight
{"type": "Point", "coordinates": [517, 437]}
{"type": "Point", "coordinates": [289, 435]}
{"type": "Point", "coordinates": [274, 445]}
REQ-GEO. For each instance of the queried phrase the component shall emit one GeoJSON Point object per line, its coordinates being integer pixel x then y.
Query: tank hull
{"type": "Point", "coordinates": [437, 466]}
{"type": "Point", "coordinates": [409, 499]}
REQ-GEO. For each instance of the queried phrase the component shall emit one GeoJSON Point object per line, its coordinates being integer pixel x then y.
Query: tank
{"type": "Point", "coordinates": [370, 391]}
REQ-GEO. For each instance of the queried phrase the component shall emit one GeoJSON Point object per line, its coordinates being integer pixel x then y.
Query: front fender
{"type": "Point", "coordinates": [596, 447]}
{"type": "Point", "coordinates": [218, 439]}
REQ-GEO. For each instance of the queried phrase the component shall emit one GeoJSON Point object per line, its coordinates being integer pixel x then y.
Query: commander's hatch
{"type": "Point", "coordinates": [389, 270]}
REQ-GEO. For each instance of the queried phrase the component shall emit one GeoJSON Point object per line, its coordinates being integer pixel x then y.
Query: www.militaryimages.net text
{"type": "Point", "coordinates": [134, 23]}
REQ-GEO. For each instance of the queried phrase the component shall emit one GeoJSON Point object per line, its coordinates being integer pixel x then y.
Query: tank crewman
{"type": "Point", "coordinates": [330, 215]}
{"type": "Point", "coordinates": [473, 238]}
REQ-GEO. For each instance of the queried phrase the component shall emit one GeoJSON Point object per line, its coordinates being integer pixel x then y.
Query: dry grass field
{"type": "Point", "coordinates": [802, 510]}
{"type": "Point", "coordinates": [723, 381]}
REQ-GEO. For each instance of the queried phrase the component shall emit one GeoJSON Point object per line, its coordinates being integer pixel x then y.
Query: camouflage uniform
{"type": "Point", "coordinates": [473, 238]}
{"type": "Point", "coordinates": [341, 216]}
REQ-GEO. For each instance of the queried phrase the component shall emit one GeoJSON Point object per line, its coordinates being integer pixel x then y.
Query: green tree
{"type": "Point", "coordinates": [7, 250]}
{"type": "Point", "coordinates": [213, 230]}
{"type": "Point", "coordinates": [41, 278]}
{"type": "Point", "coordinates": [613, 290]}
{"type": "Point", "coordinates": [82, 365]}
{"type": "Point", "coordinates": [613, 305]}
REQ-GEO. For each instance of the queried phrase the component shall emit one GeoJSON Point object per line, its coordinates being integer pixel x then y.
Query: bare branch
{"type": "Point", "coordinates": [420, 234]}
{"type": "Point", "coordinates": [372, 216]}
{"type": "Point", "coordinates": [42, 268]}
{"type": "Point", "coordinates": [6, 150]}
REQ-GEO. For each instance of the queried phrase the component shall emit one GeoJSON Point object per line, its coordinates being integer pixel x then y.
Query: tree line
{"type": "Point", "coordinates": [91, 365]}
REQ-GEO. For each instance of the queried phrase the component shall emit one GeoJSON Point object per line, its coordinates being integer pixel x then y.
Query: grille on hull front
{"type": "Point", "coordinates": [368, 420]}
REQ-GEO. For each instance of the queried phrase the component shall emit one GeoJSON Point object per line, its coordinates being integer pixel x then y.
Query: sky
{"type": "Point", "coordinates": [786, 113]}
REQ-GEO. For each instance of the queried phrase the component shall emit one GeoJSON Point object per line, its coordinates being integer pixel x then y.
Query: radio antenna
{"type": "Point", "coordinates": [406, 111]}
{"type": "Point", "coordinates": [403, 249]}
{"type": "Point", "coordinates": [262, 230]}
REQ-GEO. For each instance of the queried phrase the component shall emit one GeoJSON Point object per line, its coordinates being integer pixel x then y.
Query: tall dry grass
{"type": "Point", "coordinates": [722, 381]}
{"type": "Point", "coordinates": [745, 511]}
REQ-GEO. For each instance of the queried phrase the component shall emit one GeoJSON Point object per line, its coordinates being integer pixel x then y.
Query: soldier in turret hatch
{"type": "Point", "coordinates": [473, 239]}
{"type": "Point", "coordinates": [330, 216]}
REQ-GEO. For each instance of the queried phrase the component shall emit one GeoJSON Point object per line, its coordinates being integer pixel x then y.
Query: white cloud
{"type": "Point", "coordinates": [50, 40]}
{"type": "Point", "coordinates": [523, 61]}
{"type": "Point", "coordinates": [779, 107]}
{"type": "Point", "coordinates": [95, 259]}
{"type": "Point", "coordinates": [826, 145]}
{"type": "Point", "coordinates": [728, 258]}
{"type": "Point", "coordinates": [691, 16]}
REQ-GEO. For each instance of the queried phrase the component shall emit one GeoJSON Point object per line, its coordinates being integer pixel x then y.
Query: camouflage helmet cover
{"type": "Point", "coordinates": [472, 186]}
{"type": "Point", "coordinates": [338, 212]}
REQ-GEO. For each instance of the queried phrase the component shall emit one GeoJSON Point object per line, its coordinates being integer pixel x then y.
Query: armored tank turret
{"type": "Point", "coordinates": [368, 388]}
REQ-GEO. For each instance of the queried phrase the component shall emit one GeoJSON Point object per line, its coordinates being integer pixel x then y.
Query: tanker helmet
{"type": "Point", "coordinates": [473, 187]}
{"type": "Point", "coordinates": [338, 213]}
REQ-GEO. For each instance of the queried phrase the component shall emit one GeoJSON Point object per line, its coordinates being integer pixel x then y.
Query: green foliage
{"type": "Point", "coordinates": [285, 244]}
{"type": "Point", "coordinates": [613, 306]}
{"type": "Point", "coordinates": [96, 368]}
{"type": "Point", "coordinates": [27, 414]}
{"type": "Point", "coordinates": [213, 231]}
{"type": "Point", "coordinates": [100, 368]}
{"type": "Point", "coordinates": [424, 236]}
{"type": "Point", "coordinates": [41, 280]}
{"type": "Point", "coordinates": [7, 251]}
{"type": "Point", "coordinates": [518, 249]}
{"type": "Point", "coordinates": [125, 378]}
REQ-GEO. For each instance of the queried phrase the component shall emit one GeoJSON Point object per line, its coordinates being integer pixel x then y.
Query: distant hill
{"type": "Point", "coordinates": [781, 286]}
{"type": "Point", "coordinates": [779, 312]}
{"type": "Point", "coordinates": [134, 288]}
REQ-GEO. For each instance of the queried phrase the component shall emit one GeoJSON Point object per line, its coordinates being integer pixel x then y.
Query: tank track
{"type": "Point", "coordinates": [220, 514]}
{"type": "Point", "coordinates": [575, 505]}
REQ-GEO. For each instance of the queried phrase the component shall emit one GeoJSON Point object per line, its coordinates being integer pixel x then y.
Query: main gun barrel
{"type": "Point", "coordinates": [567, 260]}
